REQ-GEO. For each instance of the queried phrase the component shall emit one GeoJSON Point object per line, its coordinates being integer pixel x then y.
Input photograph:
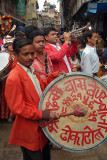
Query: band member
{"type": "Point", "coordinates": [58, 53]}
{"type": "Point", "coordinates": [8, 42]}
{"type": "Point", "coordinates": [42, 63]}
{"type": "Point", "coordinates": [4, 109]}
{"type": "Point", "coordinates": [23, 91]}
{"type": "Point", "coordinates": [89, 58]}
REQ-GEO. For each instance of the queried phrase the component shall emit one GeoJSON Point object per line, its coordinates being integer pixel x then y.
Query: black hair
{"type": "Point", "coordinates": [29, 29]}
{"type": "Point", "coordinates": [47, 30]}
{"type": "Point", "coordinates": [18, 43]}
{"type": "Point", "coordinates": [100, 33]}
{"type": "Point", "coordinates": [19, 34]}
{"type": "Point", "coordinates": [87, 34]}
{"type": "Point", "coordinates": [78, 57]}
{"type": "Point", "coordinates": [35, 34]}
{"type": "Point", "coordinates": [81, 41]}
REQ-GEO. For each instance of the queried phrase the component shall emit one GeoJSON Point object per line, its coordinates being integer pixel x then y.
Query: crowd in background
{"type": "Point", "coordinates": [55, 51]}
{"type": "Point", "coordinates": [35, 58]}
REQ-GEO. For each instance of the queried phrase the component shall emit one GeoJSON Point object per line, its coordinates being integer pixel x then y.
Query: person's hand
{"type": "Point", "coordinates": [67, 37]}
{"type": "Point", "coordinates": [61, 73]}
{"type": "Point", "coordinates": [73, 39]}
{"type": "Point", "coordinates": [74, 69]}
{"type": "Point", "coordinates": [53, 116]}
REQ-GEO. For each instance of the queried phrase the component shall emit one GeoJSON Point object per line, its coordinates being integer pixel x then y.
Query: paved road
{"type": "Point", "coordinates": [8, 152]}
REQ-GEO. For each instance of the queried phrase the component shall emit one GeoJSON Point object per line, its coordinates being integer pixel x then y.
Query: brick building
{"type": "Point", "coordinates": [49, 16]}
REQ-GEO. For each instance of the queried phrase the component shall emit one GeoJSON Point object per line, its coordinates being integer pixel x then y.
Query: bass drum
{"type": "Point", "coordinates": [65, 93]}
{"type": "Point", "coordinates": [5, 64]}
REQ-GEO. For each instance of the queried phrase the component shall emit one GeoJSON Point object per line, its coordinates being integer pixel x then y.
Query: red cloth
{"type": "Point", "coordinates": [14, 63]}
{"type": "Point", "coordinates": [58, 55]}
{"type": "Point", "coordinates": [23, 101]}
{"type": "Point", "coordinates": [73, 49]}
{"type": "Point", "coordinates": [4, 109]}
{"type": "Point", "coordinates": [1, 41]}
{"type": "Point", "coordinates": [40, 68]}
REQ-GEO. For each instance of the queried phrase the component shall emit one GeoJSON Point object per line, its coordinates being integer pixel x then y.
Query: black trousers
{"type": "Point", "coordinates": [36, 155]}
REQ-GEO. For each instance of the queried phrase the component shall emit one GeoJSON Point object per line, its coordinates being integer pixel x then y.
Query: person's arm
{"type": "Point", "coordinates": [45, 82]}
{"type": "Point", "coordinates": [17, 104]}
{"type": "Point", "coordinates": [20, 107]}
{"type": "Point", "coordinates": [57, 55]}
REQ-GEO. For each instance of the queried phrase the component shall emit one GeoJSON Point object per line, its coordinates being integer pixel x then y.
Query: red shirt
{"type": "Point", "coordinates": [0, 41]}
{"type": "Point", "coordinates": [23, 101]}
{"type": "Point", "coordinates": [40, 68]}
{"type": "Point", "coordinates": [57, 56]}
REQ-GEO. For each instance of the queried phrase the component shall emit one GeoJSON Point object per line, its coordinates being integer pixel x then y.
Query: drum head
{"type": "Point", "coordinates": [61, 96]}
{"type": "Point", "coordinates": [4, 60]}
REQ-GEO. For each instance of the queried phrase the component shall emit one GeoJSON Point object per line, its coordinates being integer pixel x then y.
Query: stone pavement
{"type": "Point", "coordinates": [8, 152]}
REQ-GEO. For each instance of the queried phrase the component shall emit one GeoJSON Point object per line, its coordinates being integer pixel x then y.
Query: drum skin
{"type": "Point", "coordinates": [61, 96]}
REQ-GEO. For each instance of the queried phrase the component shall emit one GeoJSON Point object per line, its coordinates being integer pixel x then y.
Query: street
{"type": "Point", "coordinates": [14, 153]}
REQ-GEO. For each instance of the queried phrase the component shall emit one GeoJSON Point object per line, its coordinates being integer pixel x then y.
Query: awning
{"type": "Point", "coordinates": [92, 11]}
{"type": "Point", "coordinates": [101, 7]}
{"type": "Point", "coordinates": [96, 8]}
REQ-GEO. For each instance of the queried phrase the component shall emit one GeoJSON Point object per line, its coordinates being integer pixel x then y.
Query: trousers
{"type": "Point", "coordinates": [36, 155]}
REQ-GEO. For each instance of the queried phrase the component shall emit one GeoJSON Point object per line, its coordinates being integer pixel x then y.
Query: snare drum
{"type": "Point", "coordinates": [5, 64]}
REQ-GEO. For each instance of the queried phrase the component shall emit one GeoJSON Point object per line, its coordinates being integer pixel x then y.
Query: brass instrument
{"type": "Point", "coordinates": [78, 32]}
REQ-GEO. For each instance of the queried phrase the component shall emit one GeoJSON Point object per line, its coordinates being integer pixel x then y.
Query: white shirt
{"type": "Point", "coordinates": [57, 46]}
{"type": "Point", "coordinates": [90, 60]}
{"type": "Point", "coordinates": [33, 77]}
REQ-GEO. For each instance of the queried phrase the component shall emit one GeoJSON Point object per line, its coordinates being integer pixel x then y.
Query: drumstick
{"type": "Point", "coordinates": [78, 112]}
{"type": "Point", "coordinates": [67, 114]}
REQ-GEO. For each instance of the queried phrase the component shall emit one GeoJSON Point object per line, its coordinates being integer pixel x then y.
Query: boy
{"type": "Point", "coordinates": [23, 91]}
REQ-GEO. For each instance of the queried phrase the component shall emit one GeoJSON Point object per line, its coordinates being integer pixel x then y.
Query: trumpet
{"type": "Point", "coordinates": [78, 32]}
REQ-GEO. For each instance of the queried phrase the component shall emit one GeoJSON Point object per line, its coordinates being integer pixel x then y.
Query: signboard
{"type": "Point", "coordinates": [20, 7]}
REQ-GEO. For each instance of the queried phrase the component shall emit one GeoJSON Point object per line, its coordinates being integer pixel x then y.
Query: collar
{"type": "Point", "coordinates": [25, 68]}
{"type": "Point", "coordinates": [52, 44]}
{"type": "Point", "coordinates": [90, 47]}
{"type": "Point", "coordinates": [57, 46]}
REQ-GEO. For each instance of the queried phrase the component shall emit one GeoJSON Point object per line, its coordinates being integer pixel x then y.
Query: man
{"type": "Point", "coordinates": [23, 91]}
{"type": "Point", "coordinates": [89, 58]}
{"type": "Point", "coordinates": [58, 53]}
{"type": "Point", "coordinates": [41, 61]}
{"type": "Point", "coordinates": [4, 109]}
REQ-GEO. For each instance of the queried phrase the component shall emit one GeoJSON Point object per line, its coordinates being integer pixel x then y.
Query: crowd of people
{"type": "Point", "coordinates": [37, 57]}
